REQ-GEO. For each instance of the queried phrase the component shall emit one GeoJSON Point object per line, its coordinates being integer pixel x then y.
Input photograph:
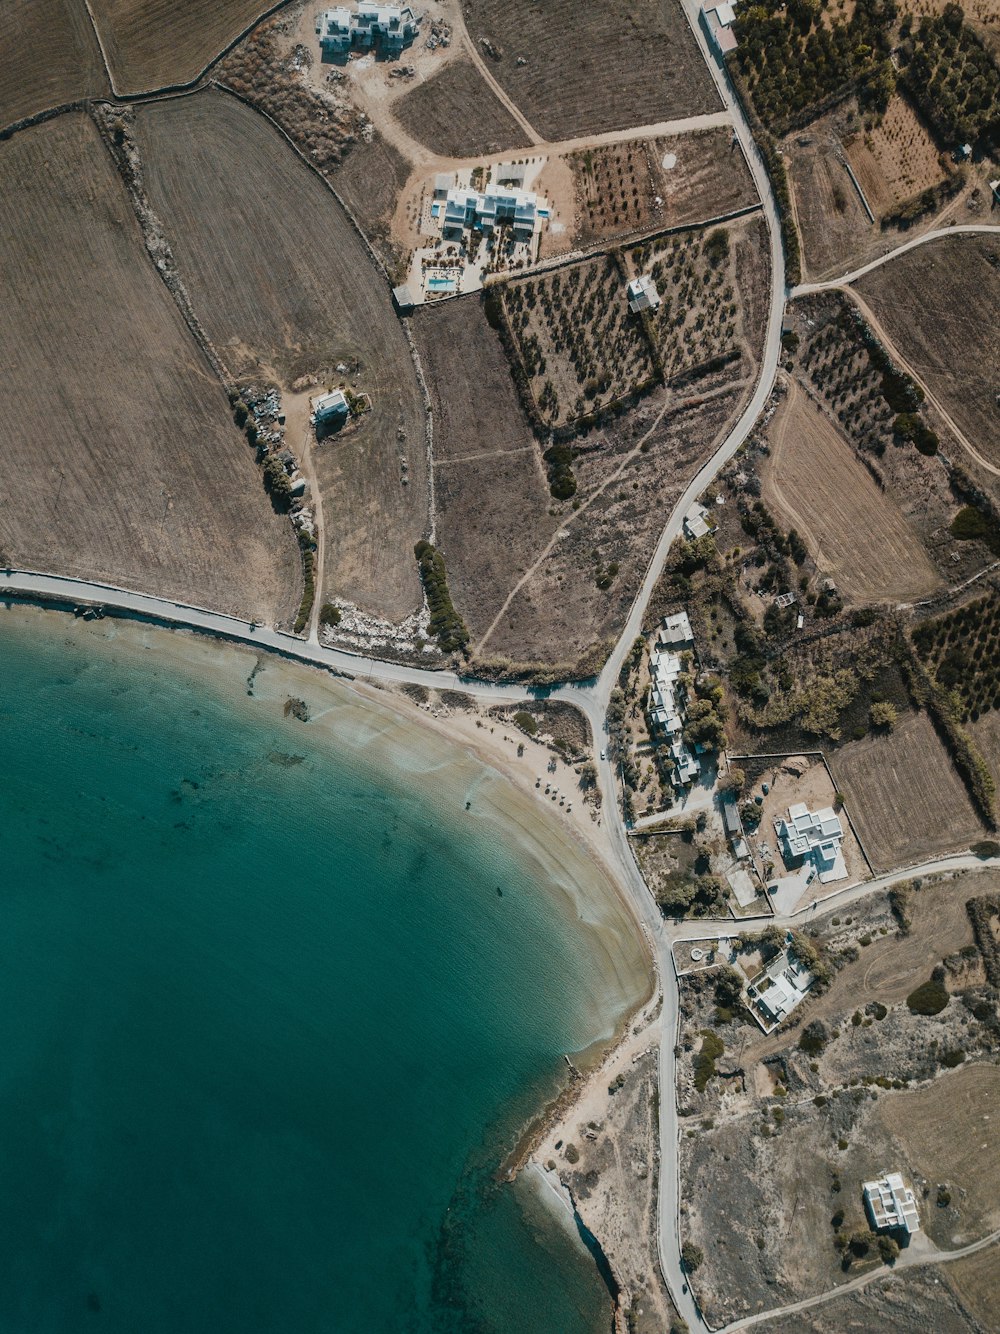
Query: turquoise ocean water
{"type": "Point", "coordinates": [266, 1024]}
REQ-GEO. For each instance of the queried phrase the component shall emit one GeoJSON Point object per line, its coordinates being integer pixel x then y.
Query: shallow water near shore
{"type": "Point", "coordinates": [274, 1004]}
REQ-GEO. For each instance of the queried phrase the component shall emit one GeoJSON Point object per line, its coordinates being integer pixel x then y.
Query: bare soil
{"type": "Point", "coordinates": [894, 159]}
{"type": "Point", "coordinates": [285, 288]}
{"type": "Point", "coordinates": [938, 304]}
{"type": "Point", "coordinates": [159, 43]}
{"type": "Point", "coordinates": [893, 1304]}
{"type": "Point", "coordinates": [128, 466]}
{"type": "Point", "coordinates": [905, 796]}
{"type": "Point", "coordinates": [456, 114]}
{"type": "Point", "coordinates": [50, 56]}
{"type": "Point", "coordinates": [976, 1283]}
{"type": "Point", "coordinates": [855, 531]}
{"type": "Point", "coordinates": [588, 67]}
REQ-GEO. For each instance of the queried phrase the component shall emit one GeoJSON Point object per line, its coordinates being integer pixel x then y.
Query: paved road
{"type": "Point", "coordinates": [806, 289]}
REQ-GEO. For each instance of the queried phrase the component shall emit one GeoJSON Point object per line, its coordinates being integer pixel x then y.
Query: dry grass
{"type": "Point", "coordinates": [456, 114]}
{"type": "Point", "coordinates": [492, 496]}
{"type": "Point", "coordinates": [158, 43]}
{"type": "Point", "coordinates": [920, 1301]}
{"type": "Point", "coordinates": [121, 458]}
{"type": "Point", "coordinates": [895, 159]}
{"type": "Point", "coordinates": [904, 794]}
{"type": "Point", "coordinates": [948, 1133]}
{"type": "Point", "coordinates": [938, 304]}
{"type": "Point", "coordinates": [833, 226]}
{"type": "Point", "coordinates": [50, 56]}
{"type": "Point", "coordinates": [976, 1281]}
{"type": "Point", "coordinates": [856, 533]}
{"type": "Point", "coordinates": [596, 67]}
{"type": "Point", "coordinates": [642, 185]}
{"type": "Point", "coordinates": [986, 734]}
{"type": "Point", "coordinates": [283, 285]}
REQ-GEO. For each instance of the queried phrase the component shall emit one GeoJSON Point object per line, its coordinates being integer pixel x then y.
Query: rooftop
{"type": "Point", "coordinates": [891, 1204]}
{"type": "Point", "coordinates": [642, 294]}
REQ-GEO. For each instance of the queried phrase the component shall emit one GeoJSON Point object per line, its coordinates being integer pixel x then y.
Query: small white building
{"type": "Point", "coordinates": [891, 1205]}
{"type": "Point", "coordinates": [443, 182]}
{"type": "Point", "coordinates": [331, 407]}
{"type": "Point", "coordinates": [387, 29]}
{"type": "Point", "coordinates": [813, 836]}
{"type": "Point", "coordinates": [697, 523]}
{"type": "Point", "coordinates": [676, 631]}
{"type": "Point", "coordinates": [717, 20]}
{"type": "Point", "coordinates": [667, 707]}
{"type": "Point", "coordinates": [774, 993]}
{"type": "Point", "coordinates": [642, 294]}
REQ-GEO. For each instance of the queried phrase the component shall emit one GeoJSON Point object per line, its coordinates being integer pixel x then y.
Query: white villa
{"type": "Point", "coordinates": [465, 207]}
{"type": "Point", "coordinates": [774, 993]}
{"type": "Point", "coordinates": [891, 1205]}
{"type": "Point", "coordinates": [388, 29]}
{"type": "Point", "coordinates": [642, 294]}
{"type": "Point", "coordinates": [813, 836]}
{"type": "Point", "coordinates": [676, 632]}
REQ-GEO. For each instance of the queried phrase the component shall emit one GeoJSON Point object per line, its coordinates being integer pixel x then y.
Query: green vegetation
{"type": "Point", "coordinates": [307, 547]}
{"type": "Point", "coordinates": [929, 998]}
{"type": "Point", "coordinates": [797, 56]}
{"type": "Point", "coordinates": [329, 614]}
{"type": "Point", "coordinates": [712, 1048]}
{"type": "Point", "coordinates": [562, 480]}
{"type": "Point", "coordinates": [699, 894]}
{"type": "Point", "coordinates": [984, 913]}
{"type": "Point", "coordinates": [882, 716]}
{"type": "Point", "coordinates": [951, 77]}
{"type": "Point", "coordinates": [908, 426]}
{"type": "Point", "coordinates": [692, 1256]}
{"type": "Point", "coordinates": [446, 624]}
{"type": "Point", "coordinates": [899, 903]}
{"type": "Point", "coordinates": [525, 722]}
{"type": "Point", "coordinates": [986, 848]}
{"type": "Point", "coordinates": [277, 483]}
{"type": "Point", "coordinates": [973, 524]}
{"type": "Point", "coordinates": [813, 1038]}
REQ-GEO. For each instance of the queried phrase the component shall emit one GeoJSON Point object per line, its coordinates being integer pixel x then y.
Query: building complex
{"type": "Point", "coordinates": [813, 836]}
{"type": "Point", "coordinates": [668, 695]}
{"type": "Point", "coordinates": [891, 1205]}
{"type": "Point", "coordinates": [385, 29]}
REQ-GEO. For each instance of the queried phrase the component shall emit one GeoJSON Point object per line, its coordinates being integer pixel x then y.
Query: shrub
{"type": "Point", "coordinates": [329, 614]}
{"type": "Point", "coordinates": [712, 1048]}
{"type": "Point", "coordinates": [813, 1038]}
{"type": "Point", "coordinates": [943, 1197]}
{"type": "Point", "coordinates": [888, 1249]}
{"type": "Point", "coordinates": [951, 1059]}
{"type": "Point", "coordinates": [572, 1153]}
{"type": "Point", "coordinates": [986, 848]}
{"type": "Point", "coordinates": [883, 716]}
{"type": "Point", "coordinates": [930, 998]}
{"type": "Point", "coordinates": [692, 1256]}
{"type": "Point", "coordinates": [446, 624]}
{"type": "Point", "coordinates": [525, 722]}
{"type": "Point", "coordinates": [899, 902]}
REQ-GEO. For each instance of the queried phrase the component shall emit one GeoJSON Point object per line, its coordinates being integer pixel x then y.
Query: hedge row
{"type": "Point", "coordinates": [308, 551]}
{"type": "Point", "coordinates": [982, 914]}
{"type": "Point", "coordinates": [446, 624]}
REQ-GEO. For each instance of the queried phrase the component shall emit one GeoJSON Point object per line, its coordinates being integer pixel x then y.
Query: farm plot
{"type": "Point", "coordinates": [986, 735]}
{"type": "Point", "coordinates": [285, 289]}
{"type": "Point", "coordinates": [904, 794]}
{"type": "Point", "coordinates": [592, 68]}
{"type": "Point", "coordinates": [576, 341]}
{"type": "Point", "coordinates": [896, 159]}
{"type": "Point", "coordinates": [641, 185]}
{"type": "Point", "coordinates": [938, 304]}
{"type": "Point", "coordinates": [975, 1281]}
{"type": "Point", "coordinates": [490, 490]}
{"type": "Point", "coordinates": [122, 460]}
{"type": "Point", "coordinates": [50, 56]}
{"type": "Point", "coordinates": [855, 532]}
{"type": "Point", "coordinates": [456, 114]}
{"type": "Point", "coordinates": [833, 225]}
{"type": "Point", "coordinates": [947, 1133]}
{"type": "Point", "coordinates": [962, 649]}
{"type": "Point", "coordinates": [159, 43]}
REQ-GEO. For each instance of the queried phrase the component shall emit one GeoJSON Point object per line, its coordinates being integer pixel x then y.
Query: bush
{"type": "Point", "coordinates": [712, 1048]}
{"type": "Point", "coordinates": [883, 716]}
{"type": "Point", "coordinates": [813, 1038]}
{"type": "Point", "coordinates": [525, 722]}
{"type": "Point", "coordinates": [572, 1153]}
{"type": "Point", "coordinates": [692, 1256]}
{"type": "Point", "coordinates": [986, 848]}
{"type": "Point", "coordinates": [329, 614]}
{"type": "Point", "coordinates": [951, 1059]}
{"type": "Point", "coordinates": [943, 1197]}
{"type": "Point", "coordinates": [888, 1249]}
{"type": "Point", "coordinates": [930, 998]}
{"type": "Point", "coordinates": [446, 624]}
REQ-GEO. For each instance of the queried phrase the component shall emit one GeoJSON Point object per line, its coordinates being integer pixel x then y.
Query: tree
{"type": "Point", "coordinates": [733, 783]}
{"type": "Point", "coordinates": [692, 1256]}
{"type": "Point", "coordinates": [882, 716]}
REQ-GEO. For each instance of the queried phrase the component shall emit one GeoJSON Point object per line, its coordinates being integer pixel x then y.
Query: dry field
{"type": "Point", "coordinates": [895, 159]}
{"type": "Point", "coordinates": [641, 185]}
{"type": "Point", "coordinates": [160, 43]}
{"type": "Point", "coordinates": [630, 477]}
{"type": "Point", "coordinates": [904, 794]}
{"type": "Point", "coordinates": [456, 114]}
{"type": "Point", "coordinates": [938, 304]}
{"type": "Point", "coordinates": [284, 287]}
{"type": "Point", "coordinates": [593, 68]}
{"type": "Point", "coordinates": [855, 532]}
{"type": "Point", "coordinates": [986, 734]}
{"type": "Point", "coordinates": [491, 493]}
{"type": "Point", "coordinates": [948, 1132]}
{"type": "Point", "coordinates": [893, 1304]}
{"type": "Point", "coordinates": [50, 56]}
{"type": "Point", "coordinates": [976, 1282]}
{"type": "Point", "coordinates": [833, 225]}
{"type": "Point", "coordinates": [122, 460]}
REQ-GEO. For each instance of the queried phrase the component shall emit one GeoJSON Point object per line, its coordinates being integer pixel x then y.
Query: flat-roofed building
{"type": "Point", "coordinates": [642, 294]}
{"type": "Point", "coordinates": [388, 29]}
{"type": "Point", "coordinates": [676, 632]}
{"type": "Point", "coordinates": [891, 1205]}
{"type": "Point", "coordinates": [813, 836]}
{"type": "Point", "coordinates": [331, 407]}
{"type": "Point", "coordinates": [717, 20]}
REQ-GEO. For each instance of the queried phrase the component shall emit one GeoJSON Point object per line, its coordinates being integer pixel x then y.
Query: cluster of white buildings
{"type": "Point", "coordinates": [891, 1205]}
{"type": "Point", "coordinates": [813, 836]}
{"type": "Point", "coordinates": [460, 208]}
{"type": "Point", "coordinates": [668, 699]}
{"type": "Point", "coordinates": [386, 29]}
